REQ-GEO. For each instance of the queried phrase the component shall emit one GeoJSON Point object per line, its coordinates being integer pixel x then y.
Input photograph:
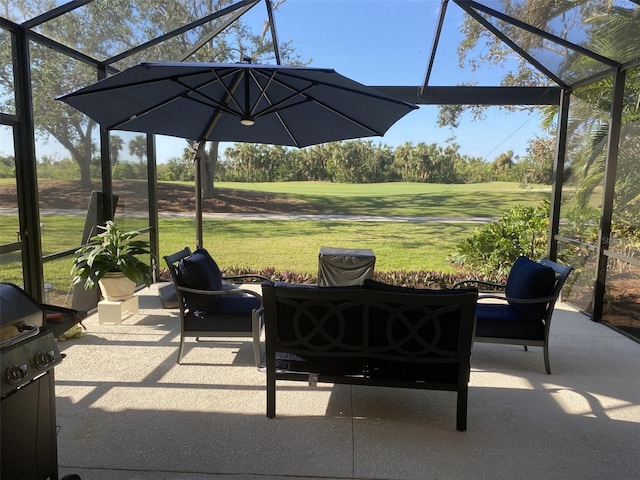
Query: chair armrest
{"type": "Point", "coordinates": [221, 292]}
{"type": "Point", "coordinates": [254, 276]}
{"type": "Point", "coordinates": [479, 283]}
{"type": "Point", "coordinates": [515, 300]}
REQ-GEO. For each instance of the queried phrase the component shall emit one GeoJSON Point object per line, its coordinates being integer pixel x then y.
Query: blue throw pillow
{"type": "Point", "coordinates": [200, 271]}
{"type": "Point", "coordinates": [529, 279]}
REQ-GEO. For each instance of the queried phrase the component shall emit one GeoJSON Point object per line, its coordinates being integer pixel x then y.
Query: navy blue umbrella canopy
{"type": "Point", "coordinates": [271, 104]}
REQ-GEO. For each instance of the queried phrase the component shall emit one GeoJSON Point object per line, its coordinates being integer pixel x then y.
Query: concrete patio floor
{"type": "Point", "coordinates": [126, 410]}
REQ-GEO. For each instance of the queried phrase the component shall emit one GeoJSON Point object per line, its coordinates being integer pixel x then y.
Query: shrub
{"type": "Point", "coordinates": [492, 249]}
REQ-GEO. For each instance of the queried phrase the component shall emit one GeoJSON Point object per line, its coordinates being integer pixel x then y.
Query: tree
{"type": "Point", "coordinates": [7, 166]}
{"type": "Point", "coordinates": [537, 165]}
{"type": "Point", "coordinates": [602, 25]}
{"type": "Point", "coordinates": [359, 161]}
{"type": "Point", "coordinates": [501, 166]}
{"type": "Point", "coordinates": [117, 144]}
{"type": "Point", "coordinates": [589, 126]}
{"type": "Point", "coordinates": [54, 74]}
{"type": "Point", "coordinates": [427, 163]}
{"type": "Point", "coordinates": [138, 147]}
{"type": "Point", "coordinates": [481, 48]}
{"type": "Point", "coordinates": [247, 160]}
{"type": "Point", "coordinates": [105, 29]}
{"type": "Point", "coordinates": [312, 162]}
{"type": "Point", "coordinates": [177, 169]}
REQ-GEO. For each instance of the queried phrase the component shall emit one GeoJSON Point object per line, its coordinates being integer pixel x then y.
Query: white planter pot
{"type": "Point", "coordinates": [115, 287]}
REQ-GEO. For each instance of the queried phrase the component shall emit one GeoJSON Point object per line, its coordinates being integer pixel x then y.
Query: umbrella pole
{"type": "Point", "coordinates": [197, 161]}
{"type": "Point", "coordinates": [198, 150]}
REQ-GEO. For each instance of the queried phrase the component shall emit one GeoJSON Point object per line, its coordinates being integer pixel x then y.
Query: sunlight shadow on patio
{"type": "Point", "coordinates": [127, 410]}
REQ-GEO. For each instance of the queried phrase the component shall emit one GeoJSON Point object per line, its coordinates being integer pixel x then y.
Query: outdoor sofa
{"type": "Point", "coordinates": [375, 334]}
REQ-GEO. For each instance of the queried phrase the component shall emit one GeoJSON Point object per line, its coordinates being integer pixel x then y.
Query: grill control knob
{"type": "Point", "coordinates": [15, 373]}
{"type": "Point", "coordinates": [43, 359]}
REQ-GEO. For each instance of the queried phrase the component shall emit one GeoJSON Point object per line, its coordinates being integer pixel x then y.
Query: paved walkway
{"type": "Point", "coordinates": [275, 216]}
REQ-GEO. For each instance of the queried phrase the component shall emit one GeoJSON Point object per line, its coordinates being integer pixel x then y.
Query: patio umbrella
{"type": "Point", "coordinates": [242, 102]}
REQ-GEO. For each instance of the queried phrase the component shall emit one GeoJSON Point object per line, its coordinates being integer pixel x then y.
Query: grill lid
{"type": "Point", "coordinates": [20, 315]}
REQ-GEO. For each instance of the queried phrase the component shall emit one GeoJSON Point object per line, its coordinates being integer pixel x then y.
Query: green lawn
{"type": "Point", "coordinates": [294, 245]}
{"type": "Point", "coordinates": [406, 199]}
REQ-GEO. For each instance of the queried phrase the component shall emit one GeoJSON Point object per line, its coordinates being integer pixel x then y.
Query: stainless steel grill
{"type": "Point", "coordinates": [28, 355]}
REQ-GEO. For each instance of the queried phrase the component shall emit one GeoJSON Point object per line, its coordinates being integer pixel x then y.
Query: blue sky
{"type": "Point", "coordinates": [388, 42]}
{"type": "Point", "coordinates": [384, 42]}
{"type": "Point", "coordinates": [381, 42]}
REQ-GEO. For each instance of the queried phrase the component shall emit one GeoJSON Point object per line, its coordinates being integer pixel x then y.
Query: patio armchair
{"type": "Point", "coordinates": [521, 315]}
{"type": "Point", "coordinates": [210, 304]}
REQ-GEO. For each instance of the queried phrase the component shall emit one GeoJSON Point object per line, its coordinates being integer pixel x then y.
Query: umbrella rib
{"type": "Point", "coordinates": [288, 130]}
{"type": "Point", "coordinates": [281, 120]}
{"type": "Point", "coordinates": [310, 98]}
{"type": "Point", "coordinates": [150, 109]}
{"type": "Point", "coordinates": [273, 107]}
{"type": "Point", "coordinates": [117, 125]}
{"type": "Point", "coordinates": [347, 117]}
{"type": "Point", "coordinates": [215, 102]}
{"type": "Point", "coordinates": [217, 114]}
{"type": "Point", "coordinates": [377, 96]}
{"type": "Point", "coordinates": [98, 88]}
{"type": "Point", "coordinates": [263, 90]}
{"type": "Point", "coordinates": [230, 94]}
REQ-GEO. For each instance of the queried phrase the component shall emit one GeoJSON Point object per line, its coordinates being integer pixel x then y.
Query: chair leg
{"type": "Point", "coordinates": [547, 365]}
{"type": "Point", "coordinates": [271, 392]}
{"type": "Point", "coordinates": [256, 332]}
{"type": "Point", "coordinates": [180, 350]}
{"type": "Point", "coordinates": [461, 409]}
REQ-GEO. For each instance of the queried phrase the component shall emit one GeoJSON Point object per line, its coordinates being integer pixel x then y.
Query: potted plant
{"type": "Point", "coordinates": [110, 261]}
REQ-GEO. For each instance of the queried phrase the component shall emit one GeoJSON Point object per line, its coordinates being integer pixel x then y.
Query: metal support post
{"type": "Point", "coordinates": [611, 167]}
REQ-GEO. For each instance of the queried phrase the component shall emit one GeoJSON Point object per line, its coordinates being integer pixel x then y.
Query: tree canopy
{"type": "Point", "coordinates": [103, 30]}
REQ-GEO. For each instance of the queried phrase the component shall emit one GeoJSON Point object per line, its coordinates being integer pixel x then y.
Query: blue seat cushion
{"type": "Point", "coordinates": [236, 305]}
{"type": "Point", "coordinates": [200, 271]}
{"type": "Point", "coordinates": [527, 280]}
{"type": "Point", "coordinates": [503, 321]}
{"type": "Point", "coordinates": [231, 313]}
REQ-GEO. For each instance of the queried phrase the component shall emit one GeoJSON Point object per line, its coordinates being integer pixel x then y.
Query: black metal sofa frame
{"type": "Point", "coordinates": [369, 336]}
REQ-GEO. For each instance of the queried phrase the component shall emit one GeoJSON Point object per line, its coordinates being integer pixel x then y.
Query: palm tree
{"type": "Point", "coordinates": [138, 147]}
